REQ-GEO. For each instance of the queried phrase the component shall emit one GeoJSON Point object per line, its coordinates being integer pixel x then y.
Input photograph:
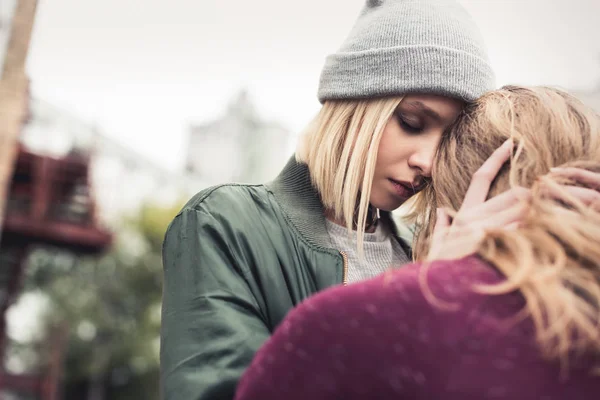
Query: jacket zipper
{"type": "Point", "coordinates": [345, 271]}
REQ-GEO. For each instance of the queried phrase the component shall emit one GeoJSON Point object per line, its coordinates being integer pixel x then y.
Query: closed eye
{"type": "Point", "coordinates": [408, 126]}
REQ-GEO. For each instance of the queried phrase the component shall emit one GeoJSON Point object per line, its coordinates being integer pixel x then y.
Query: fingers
{"type": "Point", "coordinates": [589, 197]}
{"type": "Point", "coordinates": [442, 222]}
{"type": "Point", "coordinates": [504, 200]}
{"type": "Point", "coordinates": [513, 226]}
{"type": "Point", "coordinates": [440, 230]}
{"type": "Point", "coordinates": [588, 178]}
{"type": "Point", "coordinates": [505, 218]}
{"type": "Point", "coordinates": [509, 218]}
{"type": "Point", "coordinates": [456, 246]}
{"type": "Point", "coordinates": [482, 179]}
{"type": "Point", "coordinates": [476, 214]}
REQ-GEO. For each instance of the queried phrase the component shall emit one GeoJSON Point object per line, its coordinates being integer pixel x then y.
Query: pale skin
{"type": "Point", "coordinates": [406, 153]}
{"type": "Point", "coordinates": [407, 148]}
{"type": "Point", "coordinates": [589, 195]}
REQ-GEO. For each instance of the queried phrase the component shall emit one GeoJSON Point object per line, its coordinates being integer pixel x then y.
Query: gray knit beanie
{"type": "Point", "coordinates": [409, 46]}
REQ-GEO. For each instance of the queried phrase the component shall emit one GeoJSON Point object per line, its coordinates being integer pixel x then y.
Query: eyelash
{"type": "Point", "coordinates": [408, 127]}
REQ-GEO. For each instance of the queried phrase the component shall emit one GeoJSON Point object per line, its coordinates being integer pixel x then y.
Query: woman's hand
{"type": "Point", "coordinates": [589, 195]}
{"type": "Point", "coordinates": [462, 236]}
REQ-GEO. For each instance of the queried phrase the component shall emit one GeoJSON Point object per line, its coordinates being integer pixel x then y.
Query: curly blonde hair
{"type": "Point", "coordinates": [553, 258]}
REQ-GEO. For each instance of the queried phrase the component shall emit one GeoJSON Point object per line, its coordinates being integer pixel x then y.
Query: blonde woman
{"type": "Point", "coordinates": [237, 258]}
{"type": "Point", "coordinates": [518, 320]}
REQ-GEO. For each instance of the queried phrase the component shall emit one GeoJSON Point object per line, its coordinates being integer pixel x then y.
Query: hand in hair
{"type": "Point", "coordinates": [590, 193]}
{"type": "Point", "coordinates": [461, 235]}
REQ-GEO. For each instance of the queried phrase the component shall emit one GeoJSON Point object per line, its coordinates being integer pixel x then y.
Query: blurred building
{"type": "Point", "coordinates": [121, 179]}
{"type": "Point", "coordinates": [34, 207]}
{"type": "Point", "coordinates": [71, 187]}
{"type": "Point", "coordinates": [16, 24]}
{"type": "Point", "coordinates": [240, 146]}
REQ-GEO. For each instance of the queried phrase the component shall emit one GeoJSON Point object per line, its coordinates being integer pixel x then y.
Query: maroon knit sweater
{"type": "Point", "coordinates": [382, 339]}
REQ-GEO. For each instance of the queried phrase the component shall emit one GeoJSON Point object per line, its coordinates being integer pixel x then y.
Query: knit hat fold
{"type": "Point", "coordinates": [407, 46]}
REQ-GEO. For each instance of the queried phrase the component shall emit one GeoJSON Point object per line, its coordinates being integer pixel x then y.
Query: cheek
{"type": "Point", "coordinates": [392, 145]}
{"type": "Point", "coordinates": [392, 133]}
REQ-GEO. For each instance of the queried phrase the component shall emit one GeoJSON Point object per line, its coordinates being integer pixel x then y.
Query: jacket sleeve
{"type": "Point", "coordinates": [342, 343]}
{"type": "Point", "coordinates": [211, 321]}
{"type": "Point", "coordinates": [378, 339]}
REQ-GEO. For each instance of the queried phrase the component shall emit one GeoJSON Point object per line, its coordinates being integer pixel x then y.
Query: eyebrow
{"type": "Point", "coordinates": [424, 109]}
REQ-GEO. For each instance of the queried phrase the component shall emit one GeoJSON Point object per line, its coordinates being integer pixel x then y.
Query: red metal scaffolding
{"type": "Point", "coordinates": [49, 203]}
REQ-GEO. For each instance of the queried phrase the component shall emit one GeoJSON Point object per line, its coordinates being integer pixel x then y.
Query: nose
{"type": "Point", "coordinates": [422, 158]}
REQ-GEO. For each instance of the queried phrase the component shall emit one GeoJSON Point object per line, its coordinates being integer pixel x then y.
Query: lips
{"type": "Point", "coordinates": [406, 189]}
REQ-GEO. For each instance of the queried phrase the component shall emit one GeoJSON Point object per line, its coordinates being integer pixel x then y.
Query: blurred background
{"type": "Point", "coordinates": [114, 112]}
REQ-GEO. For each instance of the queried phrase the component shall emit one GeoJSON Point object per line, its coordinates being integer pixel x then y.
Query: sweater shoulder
{"type": "Point", "coordinates": [419, 284]}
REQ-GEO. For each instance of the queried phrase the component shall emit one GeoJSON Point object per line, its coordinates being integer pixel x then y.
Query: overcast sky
{"type": "Point", "coordinates": [144, 69]}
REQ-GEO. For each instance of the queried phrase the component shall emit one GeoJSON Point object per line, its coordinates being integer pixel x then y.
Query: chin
{"type": "Point", "coordinates": [389, 205]}
{"type": "Point", "coordinates": [389, 208]}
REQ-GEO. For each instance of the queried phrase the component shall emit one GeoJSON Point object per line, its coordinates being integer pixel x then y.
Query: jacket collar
{"type": "Point", "coordinates": [301, 202]}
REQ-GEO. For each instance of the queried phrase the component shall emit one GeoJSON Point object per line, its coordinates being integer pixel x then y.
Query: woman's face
{"type": "Point", "coordinates": [408, 145]}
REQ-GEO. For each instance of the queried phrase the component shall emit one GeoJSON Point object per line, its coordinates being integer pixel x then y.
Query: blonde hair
{"type": "Point", "coordinates": [553, 258]}
{"type": "Point", "coordinates": [340, 148]}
